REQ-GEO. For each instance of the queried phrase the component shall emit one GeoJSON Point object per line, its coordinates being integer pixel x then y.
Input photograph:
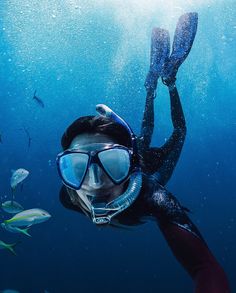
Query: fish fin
{"type": "Point", "coordinates": [25, 231]}
{"type": "Point", "coordinates": [184, 36]}
{"type": "Point", "coordinates": [7, 222]}
{"type": "Point", "coordinates": [160, 51]}
{"type": "Point", "coordinates": [10, 247]}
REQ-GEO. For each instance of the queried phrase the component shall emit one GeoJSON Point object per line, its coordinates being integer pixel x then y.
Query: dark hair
{"type": "Point", "coordinates": [96, 124]}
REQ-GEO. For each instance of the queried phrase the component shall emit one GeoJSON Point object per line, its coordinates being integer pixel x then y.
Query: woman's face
{"type": "Point", "coordinates": [96, 181]}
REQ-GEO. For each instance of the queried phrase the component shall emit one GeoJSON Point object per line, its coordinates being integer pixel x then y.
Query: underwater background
{"type": "Point", "coordinates": [77, 54]}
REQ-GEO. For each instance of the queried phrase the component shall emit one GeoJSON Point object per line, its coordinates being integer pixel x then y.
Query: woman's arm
{"type": "Point", "coordinates": [192, 252]}
{"type": "Point", "coordinates": [186, 242]}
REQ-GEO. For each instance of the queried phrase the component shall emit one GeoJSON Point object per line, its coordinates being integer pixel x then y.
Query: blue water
{"type": "Point", "coordinates": [80, 53]}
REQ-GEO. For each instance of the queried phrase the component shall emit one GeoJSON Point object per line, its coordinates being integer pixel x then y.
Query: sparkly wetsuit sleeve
{"type": "Point", "coordinates": [166, 208]}
{"type": "Point", "coordinates": [187, 244]}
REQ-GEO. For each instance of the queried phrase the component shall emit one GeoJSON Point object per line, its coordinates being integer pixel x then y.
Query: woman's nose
{"type": "Point", "coordinates": [95, 176]}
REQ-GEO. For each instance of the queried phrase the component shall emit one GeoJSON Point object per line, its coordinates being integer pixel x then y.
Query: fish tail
{"type": "Point", "coordinates": [25, 231]}
{"type": "Point", "coordinates": [10, 247]}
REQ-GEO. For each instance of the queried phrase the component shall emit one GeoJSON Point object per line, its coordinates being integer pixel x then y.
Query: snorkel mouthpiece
{"type": "Point", "coordinates": [104, 215]}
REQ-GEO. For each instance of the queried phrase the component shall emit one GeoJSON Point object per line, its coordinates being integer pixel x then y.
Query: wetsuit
{"type": "Point", "coordinates": [163, 160]}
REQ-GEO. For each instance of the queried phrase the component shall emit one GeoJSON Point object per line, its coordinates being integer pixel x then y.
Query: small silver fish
{"type": "Point", "coordinates": [11, 207]}
{"type": "Point", "coordinates": [10, 247]}
{"type": "Point", "coordinates": [18, 176]}
{"type": "Point", "coordinates": [28, 218]}
{"type": "Point", "coordinates": [12, 229]}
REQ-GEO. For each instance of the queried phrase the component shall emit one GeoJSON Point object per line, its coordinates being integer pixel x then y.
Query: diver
{"type": "Point", "coordinates": [108, 176]}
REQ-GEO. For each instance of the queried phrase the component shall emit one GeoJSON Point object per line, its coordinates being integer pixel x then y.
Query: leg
{"type": "Point", "coordinates": [177, 114]}
{"type": "Point", "coordinates": [148, 122]}
{"type": "Point", "coordinates": [171, 150]}
{"type": "Point", "coordinates": [162, 161]}
{"type": "Point", "coordinates": [160, 47]}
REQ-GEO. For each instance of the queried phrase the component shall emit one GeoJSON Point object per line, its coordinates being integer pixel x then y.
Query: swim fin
{"type": "Point", "coordinates": [160, 50]}
{"type": "Point", "coordinates": [185, 32]}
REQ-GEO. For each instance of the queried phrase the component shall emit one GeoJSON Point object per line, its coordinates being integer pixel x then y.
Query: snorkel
{"type": "Point", "coordinates": [105, 111]}
{"type": "Point", "coordinates": [102, 212]}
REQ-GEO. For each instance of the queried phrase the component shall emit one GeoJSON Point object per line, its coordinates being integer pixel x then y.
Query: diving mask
{"type": "Point", "coordinates": [114, 160]}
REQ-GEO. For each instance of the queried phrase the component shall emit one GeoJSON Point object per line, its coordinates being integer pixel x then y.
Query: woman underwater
{"type": "Point", "coordinates": [114, 177]}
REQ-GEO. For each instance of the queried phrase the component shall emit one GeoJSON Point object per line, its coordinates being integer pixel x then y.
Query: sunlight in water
{"type": "Point", "coordinates": [50, 28]}
{"type": "Point", "coordinates": [137, 18]}
{"type": "Point", "coordinates": [165, 10]}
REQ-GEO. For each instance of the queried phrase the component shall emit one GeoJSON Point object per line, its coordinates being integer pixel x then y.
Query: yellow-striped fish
{"type": "Point", "coordinates": [28, 218]}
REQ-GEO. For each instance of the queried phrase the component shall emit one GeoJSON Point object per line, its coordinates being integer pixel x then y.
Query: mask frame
{"type": "Point", "coordinates": [93, 157]}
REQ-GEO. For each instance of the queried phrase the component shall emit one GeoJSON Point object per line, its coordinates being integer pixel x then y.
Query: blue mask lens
{"type": "Point", "coordinates": [116, 163]}
{"type": "Point", "coordinates": [73, 168]}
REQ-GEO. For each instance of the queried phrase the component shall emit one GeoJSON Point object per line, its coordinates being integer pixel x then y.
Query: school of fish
{"type": "Point", "coordinates": [22, 219]}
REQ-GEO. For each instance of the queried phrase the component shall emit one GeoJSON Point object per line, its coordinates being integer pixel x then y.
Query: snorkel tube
{"type": "Point", "coordinates": [105, 111]}
{"type": "Point", "coordinates": [102, 213]}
